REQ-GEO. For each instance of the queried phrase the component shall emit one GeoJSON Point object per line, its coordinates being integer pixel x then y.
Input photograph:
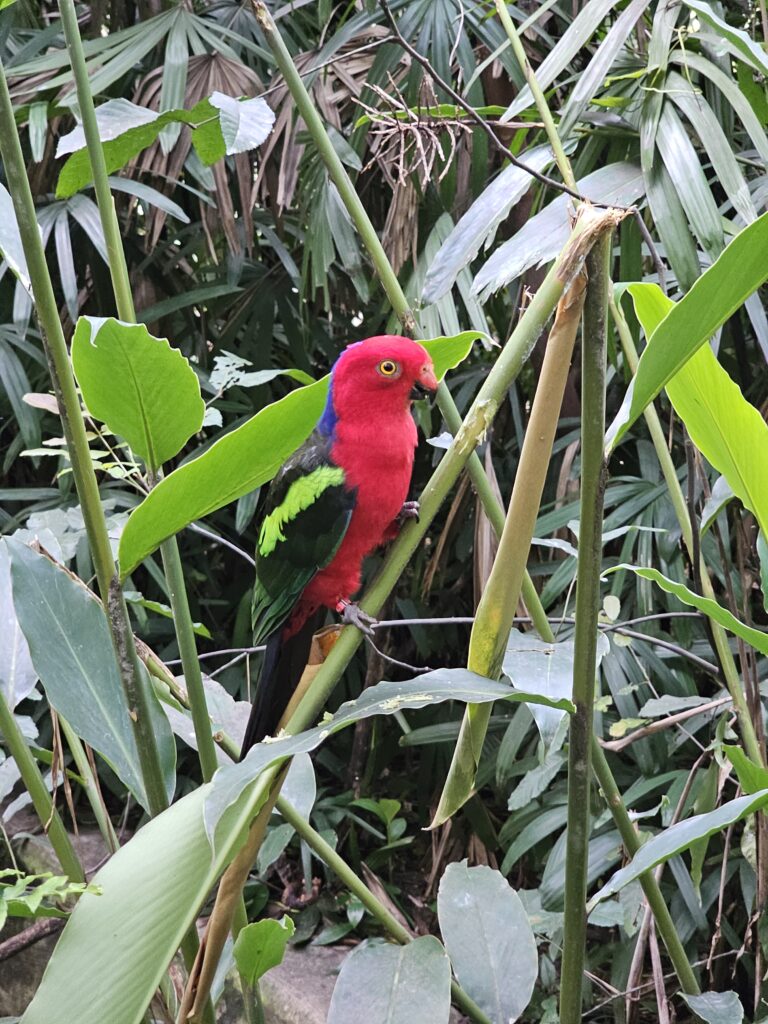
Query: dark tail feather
{"type": "Point", "coordinates": [284, 662]}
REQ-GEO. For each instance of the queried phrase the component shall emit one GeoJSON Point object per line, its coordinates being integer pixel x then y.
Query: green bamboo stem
{"type": "Point", "coordinates": [41, 798]}
{"type": "Point", "coordinates": [121, 286]}
{"type": "Point", "coordinates": [90, 785]}
{"type": "Point", "coordinates": [661, 915]}
{"type": "Point", "coordinates": [563, 163]}
{"type": "Point", "coordinates": [357, 887]}
{"type": "Point", "coordinates": [585, 640]}
{"type": "Point", "coordinates": [496, 610]}
{"type": "Point", "coordinates": [722, 647]}
{"type": "Point", "coordinates": [73, 427]}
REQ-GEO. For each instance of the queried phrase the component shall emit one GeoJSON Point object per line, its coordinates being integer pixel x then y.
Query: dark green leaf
{"type": "Point", "coordinates": [71, 649]}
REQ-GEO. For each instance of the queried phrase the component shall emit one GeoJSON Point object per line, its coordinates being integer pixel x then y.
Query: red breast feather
{"type": "Point", "coordinates": [374, 441]}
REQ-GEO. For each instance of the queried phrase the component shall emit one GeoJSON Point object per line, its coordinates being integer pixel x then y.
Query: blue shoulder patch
{"type": "Point", "coordinates": [327, 422]}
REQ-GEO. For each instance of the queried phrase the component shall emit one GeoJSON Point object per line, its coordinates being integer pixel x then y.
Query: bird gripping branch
{"type": "Point", "coordinates": [336, 499]}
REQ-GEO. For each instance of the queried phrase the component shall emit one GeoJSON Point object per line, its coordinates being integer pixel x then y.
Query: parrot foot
{"type": "Point", "coordinates": [353, 615]}
{"type": "Point", "coordinates": [410, 510]}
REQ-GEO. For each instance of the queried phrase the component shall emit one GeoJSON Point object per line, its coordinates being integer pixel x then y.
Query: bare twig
{"type": "Point", "coordinates": [663, 723]}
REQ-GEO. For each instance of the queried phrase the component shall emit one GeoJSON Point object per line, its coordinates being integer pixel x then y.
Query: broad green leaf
{"type": "Point", "coordinates": [237, 463]}
{"type": "Point", "coordinates": [244, 459]}
{"type": "Point", "coordinates": [755, 637]}
{"type": "Point", "coordinates": [752, 777]}
{"type": "Point", "coordinates": [678, 838]}
{"type": "Point", "coordinates": [672, 340]}
{"type": "Point", "coordinates": [485, 930]}
{"type": "Point", "coordinates": [157, 406]}
{"type": "Point", "coordinates": [220, 125]}
{"type": "Point", "coordinates": [716, 1007]}
{"type": "Point", "coordinates": [153, 887]}
{"type": "Point", "coordinates": [729, 432]}
{"type": "Point", "coordinates": [407, 984]}
{"type": "Point", "coordinates": [385, 698]}
{"type": "Point", "coordinates": [260, 946]}
{"type": "Point", "coordinates": [71, 649]}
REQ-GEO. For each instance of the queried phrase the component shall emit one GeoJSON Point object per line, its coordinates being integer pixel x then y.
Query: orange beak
{"type": "Point", "coordinates": [425, 384]}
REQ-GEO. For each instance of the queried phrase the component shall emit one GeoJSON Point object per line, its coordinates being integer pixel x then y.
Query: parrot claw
{"type": "Point", "coordinates": [353, 615]}
{"type": "Point", "coordinates": [410, 510]}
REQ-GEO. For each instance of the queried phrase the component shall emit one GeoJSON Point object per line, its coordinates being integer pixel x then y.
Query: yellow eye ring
{"type": "Point", "coordinates": [388, 368]}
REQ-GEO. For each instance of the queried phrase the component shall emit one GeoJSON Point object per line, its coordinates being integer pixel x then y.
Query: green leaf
{"type": "Point", "coordinates": [17, 673]}
{"type": "Point", "coordinates": [71, 649]}
{"type": "Point", "coordinates": [220, 125]}
{"type": "Point", "coordinates": [678, 838]}
{"type": "Point", "coordinates": [686, 325]}
{"type": "Point", "coordinates": [719, 497]}
{"type": "Point", "coordinates": [244, 459]}
{"type": "Point", "coordinates": [69, 639]}
{"type": "Point", "coordinates": [536, 666]}
{"type": "Point", "coordinates": [751, 51]}
{"type": "Point", "coordinates": [729, 432]}
{"type": "Point", "coordinates": [407, 984]}
{"type": "Point", "coordinates": [485, 929]}
{"type": "Point", "coordinates": [385, 698]}
{"type": "Point", "coordinates": [260, 946]}
{"type": "Point", "coordinates": [153, 887]}
{"type": "Point", "coordinates": [752, 777]}
{"type": "Point", "coordinates": [157, 407]}
{"type": "Point", "coordinates": [716, 1007]}
{"type": "Point", "coordinates": [755, 637]}
{"type": "Point", "coordinates": [480, 222]}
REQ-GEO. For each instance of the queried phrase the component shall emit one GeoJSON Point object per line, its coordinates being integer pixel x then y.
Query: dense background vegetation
{"type": "Point", "coordinates": [252, 264]}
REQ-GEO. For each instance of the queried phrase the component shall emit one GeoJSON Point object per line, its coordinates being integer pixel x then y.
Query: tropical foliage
{"type": "Point", "coordinates": [287, 179]}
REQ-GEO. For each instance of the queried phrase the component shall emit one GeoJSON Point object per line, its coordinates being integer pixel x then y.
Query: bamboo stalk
{"type": "Point", "coordinates": [41, 798]}
{"type": "Point", "coordinates": [121, 286]}
{"type": "Point", "coordinates": [496, 610]}
{"type": "Point", "coordinates": [585, 641]}
{"type": "Point", "coordinates": [73, 427]}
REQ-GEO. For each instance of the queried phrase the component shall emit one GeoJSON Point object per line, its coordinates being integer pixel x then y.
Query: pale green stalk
{"type": "Point", "coordinates": [563, 163]}
{"type": "Point", "coordinates": [121, 286]}
{"type": "Point", "coordinates": [498, 603]}
{"type": "Point", "coordinates": [41, 798]}
{"type": "Point", "coordinates": [90, 785]}
{"type": "Point", "coordinates": [580, 734]}
{"type": "Point", "coordinates": [73, 427]}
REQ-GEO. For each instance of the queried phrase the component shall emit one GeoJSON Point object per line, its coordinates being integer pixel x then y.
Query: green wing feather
{"type": "Point", "coordinates": [307, 513]}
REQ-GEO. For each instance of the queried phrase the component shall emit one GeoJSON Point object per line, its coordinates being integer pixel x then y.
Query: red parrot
{"type": "Point", "coordinates": [339, 496]}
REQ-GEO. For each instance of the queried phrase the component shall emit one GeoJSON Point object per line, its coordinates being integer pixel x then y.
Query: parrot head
{"type": "Point", "coordinates": [383, 375]}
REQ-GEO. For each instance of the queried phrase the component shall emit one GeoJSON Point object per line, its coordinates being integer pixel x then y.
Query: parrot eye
{"type": "Point", "coordinates": [388, 368]}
